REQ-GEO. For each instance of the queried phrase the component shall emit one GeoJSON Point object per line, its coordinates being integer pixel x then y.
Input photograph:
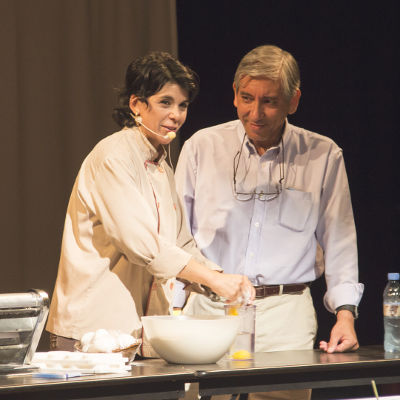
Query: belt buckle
{"type": "Point", "coordinates": [266, 291]}
{"type": "Point", "coordinates": [260, 292]}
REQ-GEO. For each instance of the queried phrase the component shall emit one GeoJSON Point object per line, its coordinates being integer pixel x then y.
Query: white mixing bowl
{"type": "Point", "coordinates": [190, 340]}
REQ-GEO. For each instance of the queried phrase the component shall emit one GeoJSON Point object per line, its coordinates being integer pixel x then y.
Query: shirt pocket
{"type": "Point", "coordinates": [295, 209]}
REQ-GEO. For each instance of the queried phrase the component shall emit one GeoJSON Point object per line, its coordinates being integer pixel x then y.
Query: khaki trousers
{"type": "Point", "coordinates": [284, 322]}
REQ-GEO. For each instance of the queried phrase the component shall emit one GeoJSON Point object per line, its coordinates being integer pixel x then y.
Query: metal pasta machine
{"type": "Point", "coordinates": [22, 319]}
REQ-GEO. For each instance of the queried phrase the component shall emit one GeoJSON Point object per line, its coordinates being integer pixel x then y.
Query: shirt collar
{"type": "Point", "coordinates": [249, 147]}
{"type": "Point", "coordinates": [149, 152]}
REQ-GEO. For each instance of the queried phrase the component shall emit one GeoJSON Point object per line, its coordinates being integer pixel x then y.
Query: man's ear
{"type": "Point", "coordinates": [294, 102]}
{"type": "Point", "coordinates": [234, 95]}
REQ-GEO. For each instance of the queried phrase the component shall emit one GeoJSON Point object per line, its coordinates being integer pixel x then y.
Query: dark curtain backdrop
{"type": "Point", "coordinates": [348, 52]}
{"type": "Point", "coordinates": [61, 61]}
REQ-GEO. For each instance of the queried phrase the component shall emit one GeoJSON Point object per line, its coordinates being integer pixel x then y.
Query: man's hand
{"type": "Point", "coordinates": [343, 335]}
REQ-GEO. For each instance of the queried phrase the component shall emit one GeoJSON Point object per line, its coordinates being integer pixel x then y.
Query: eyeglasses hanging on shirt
{"type": "Point", "coordinates": [266, 195]}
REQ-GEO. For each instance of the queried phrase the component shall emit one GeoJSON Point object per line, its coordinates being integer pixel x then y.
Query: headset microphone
{"type": "Point", "coordinates": [169, 135]}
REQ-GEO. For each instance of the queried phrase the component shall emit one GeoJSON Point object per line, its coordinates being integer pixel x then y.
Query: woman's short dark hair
{"type": "Point", "coordinates": [145, 76]}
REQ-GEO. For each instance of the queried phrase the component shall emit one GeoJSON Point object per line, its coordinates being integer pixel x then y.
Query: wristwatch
{"type": "Point", "coordinates": [348, 307]}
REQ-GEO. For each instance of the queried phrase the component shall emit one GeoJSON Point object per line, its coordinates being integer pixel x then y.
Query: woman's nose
{"type": "Point", "coordinates": [175, 114]}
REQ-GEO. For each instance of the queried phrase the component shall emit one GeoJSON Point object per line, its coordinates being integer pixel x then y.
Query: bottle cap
{"type": "Point", "coordinates": [393, 276]}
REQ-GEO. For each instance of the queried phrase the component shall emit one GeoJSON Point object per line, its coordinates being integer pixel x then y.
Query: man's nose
{"type": "Point", "coordinates": [257, 111]}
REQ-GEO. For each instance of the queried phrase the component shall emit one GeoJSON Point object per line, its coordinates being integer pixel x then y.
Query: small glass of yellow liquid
{"type": "Point", "coordinates": [243, 346]}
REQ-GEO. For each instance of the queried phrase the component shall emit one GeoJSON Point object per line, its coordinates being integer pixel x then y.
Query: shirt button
{"type": "Point", "coordinates": [256, 224]}
{"type": "Point", "coordinates": [251, 254]}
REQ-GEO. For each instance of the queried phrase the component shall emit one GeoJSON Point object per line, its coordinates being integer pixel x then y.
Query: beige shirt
{"type": "Point", "coordinates": [123, 226]}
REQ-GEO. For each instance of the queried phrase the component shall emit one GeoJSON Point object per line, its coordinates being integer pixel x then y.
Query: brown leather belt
{"type": "Point", "coordinates": [275, 290]}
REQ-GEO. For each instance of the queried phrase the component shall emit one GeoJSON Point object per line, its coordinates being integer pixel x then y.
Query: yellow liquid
{"type": "Point", "coordinates": [241, 355]}
{"type": "Point", "coordinates": [233, 311]}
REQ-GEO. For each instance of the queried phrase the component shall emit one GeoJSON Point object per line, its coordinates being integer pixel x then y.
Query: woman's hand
{"type": "Point", "coordinates": [233, 287]}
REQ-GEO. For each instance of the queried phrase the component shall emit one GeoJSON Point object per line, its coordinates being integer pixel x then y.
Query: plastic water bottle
{"type": "Point", "coordinates": [391, 313]}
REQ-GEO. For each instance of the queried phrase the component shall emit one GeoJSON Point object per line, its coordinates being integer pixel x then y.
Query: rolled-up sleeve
{"type": "Point", "coordinates": [337, 235]}
{"type": "Point", "coordinates": [128, 220]}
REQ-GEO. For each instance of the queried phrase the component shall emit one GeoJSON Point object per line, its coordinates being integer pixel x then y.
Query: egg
{"type": "Point", "coordinates": [103, 341]}
{"type": "Point", "coordinates": [241, 355]}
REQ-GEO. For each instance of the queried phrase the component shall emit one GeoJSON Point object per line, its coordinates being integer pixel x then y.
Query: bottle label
{"type": "Point", "coordinates": [391, 310]}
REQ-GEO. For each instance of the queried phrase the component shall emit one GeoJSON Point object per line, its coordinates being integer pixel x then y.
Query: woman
{"type": "Point", "coordinates": [125, 238]}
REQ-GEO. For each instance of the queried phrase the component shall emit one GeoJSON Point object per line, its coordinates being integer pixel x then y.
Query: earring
{"type": "Point", "coordinates": [137, 118]}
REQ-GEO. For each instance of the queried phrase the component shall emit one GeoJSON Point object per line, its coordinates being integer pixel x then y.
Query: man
{"type": "Point", "coordinates": [261, 195]}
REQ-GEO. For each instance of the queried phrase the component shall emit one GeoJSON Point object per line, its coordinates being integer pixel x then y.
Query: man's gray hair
{"type": "Point", "coordinates": [273, 63]}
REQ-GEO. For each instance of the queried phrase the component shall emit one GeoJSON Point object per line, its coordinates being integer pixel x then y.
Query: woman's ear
{"type": "Point", "coordinates": [133, 104]}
